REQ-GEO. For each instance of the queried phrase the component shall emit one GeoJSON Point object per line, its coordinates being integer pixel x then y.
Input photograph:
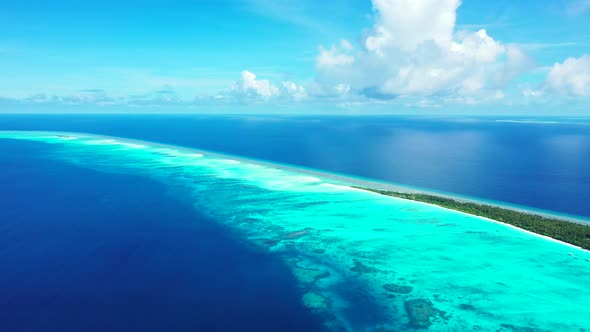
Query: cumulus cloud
{"type": "Point", "coordinates": [405, 24]}
{"type": "Point", "coordinates": [413, 49]}
{"type": "Point", "coordinates": [571, 77]}
{"type": "Point", "coordinates": [251, 88]}
{"type": "Point", "coordinates": [327, 91]}
{"type": "Point", "coordinates": [290, 89]}
{"type": "Point", "coordinates": [516, 62]}
{"type": "Point", "coordinates": [336, 55]}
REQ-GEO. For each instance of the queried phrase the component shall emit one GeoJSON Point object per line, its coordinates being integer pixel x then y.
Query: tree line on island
{"type": "Point", "coordinates": [570, 232]}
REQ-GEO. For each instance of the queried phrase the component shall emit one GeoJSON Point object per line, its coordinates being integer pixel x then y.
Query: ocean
{"type": "Point", "coordinates": [82, 250]}
{"type": "Point", "coordinates": [542, 163]}
{"type": "Point", "coordinates": [105, 233]}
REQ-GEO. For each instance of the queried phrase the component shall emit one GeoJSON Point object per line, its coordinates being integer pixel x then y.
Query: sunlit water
{"type": "Point", "coordinates": [364, 261]}
{"type": "Point", "coordinates": [539, 163]}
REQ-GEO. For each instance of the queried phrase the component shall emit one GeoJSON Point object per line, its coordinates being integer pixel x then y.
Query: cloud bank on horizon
{"type": "Point", "coordinates": [411, 54]}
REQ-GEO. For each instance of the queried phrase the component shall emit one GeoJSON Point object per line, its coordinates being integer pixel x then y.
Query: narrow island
{"type": "Point", "coordinates": [574, 233]}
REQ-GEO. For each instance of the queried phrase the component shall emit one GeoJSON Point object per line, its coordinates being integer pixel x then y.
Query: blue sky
{"type": "Point", "coordinates": [263, 56]}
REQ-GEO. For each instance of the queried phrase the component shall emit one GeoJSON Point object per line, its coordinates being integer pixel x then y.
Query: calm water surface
{"type": "Point", "coordinates": [216, 243]}
{"type": "Point", "coordinates": [540, 162]}
{"type": "Point", "coordinates": [82, 250]}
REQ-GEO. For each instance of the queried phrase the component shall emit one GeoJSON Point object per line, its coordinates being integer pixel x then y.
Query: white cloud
{"type": "Point", "coordinates": [531, 93]}
{"type": "Point", "coordinates": [345, 44]}
{"type": "Point", "coordinates": [515, 63]}
{"type": "Point", "coordinates": [335, 55]}
{"type": "Point", "coordinates": [249, 86]}
{"type": "Point", "coordinates": [414, 50]}
{"type": "Point", "coordinates": [405, 24]}
{"type": "Point", "coordinates": [324, 91]}
{"type": "Point", "coordinates": [571, 77]}
{"type": "Point", "coordinates": [293, 90]}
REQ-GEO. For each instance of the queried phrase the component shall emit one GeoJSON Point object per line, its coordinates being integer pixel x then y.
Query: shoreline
{"type": "Point", "coordinates": [376, 185]}
{"type": "Point", "coordinates": [483, 218]}
{"type": "Point", "coordinates": [488, 218]}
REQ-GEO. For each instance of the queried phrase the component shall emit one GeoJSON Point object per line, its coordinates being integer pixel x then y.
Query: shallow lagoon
{"type": "Point", "coordinates": [364, 261]}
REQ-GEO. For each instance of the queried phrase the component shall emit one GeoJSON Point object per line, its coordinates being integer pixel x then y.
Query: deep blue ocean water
{"type": "Point", "coordinates": [537, 162]}
{"type": "Point", "coordinates": [87, 251]}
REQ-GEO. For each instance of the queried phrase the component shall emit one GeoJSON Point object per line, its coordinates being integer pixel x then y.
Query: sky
{"type": "Point", "coordinates": [296, 57]}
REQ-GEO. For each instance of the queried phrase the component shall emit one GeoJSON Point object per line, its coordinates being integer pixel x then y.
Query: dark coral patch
{"type": "Point", "coordinates": [517, 328]}
{"type": "Point", "coordinates": [270, 242]}
{"type": "Point", "coordinates": [421, 312]}
{"type": "Point", "coordinates": [394, 288]}
{"type": "Point", "coordinates": [296, 234]}
{"type": "Point", "coordinates": [467, 307]}
{"type": "Point", "coordinates": [362, 268]}
{"type": "Point", "coordinates": [266, 243]}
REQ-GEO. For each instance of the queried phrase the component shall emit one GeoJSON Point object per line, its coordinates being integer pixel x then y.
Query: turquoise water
{"type": "Point", "coordinates": [364, 262]}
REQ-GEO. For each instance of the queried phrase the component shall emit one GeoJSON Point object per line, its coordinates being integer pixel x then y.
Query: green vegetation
{"type": "Point", "coordinates": [571, 232]}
